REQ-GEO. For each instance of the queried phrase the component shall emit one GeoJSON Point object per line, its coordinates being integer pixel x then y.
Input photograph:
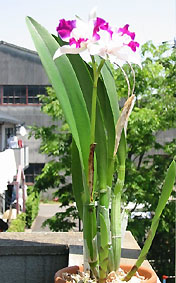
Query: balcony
{"type": "Point", "coordinates": [10, 159]}
{"type": "Point", "coordinates": [21, 156]}
{"type": "Point", "coordinates": [35, 257]}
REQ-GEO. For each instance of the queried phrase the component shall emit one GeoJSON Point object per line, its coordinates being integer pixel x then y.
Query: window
{"type": "Point", "coordinates": [14, 94]}
{"type": "Point", "coordinates": [21, 94]}
{"type": "Point", "coordinates": [33, 171]}
{"type": "Point", "coordinates": [33, 91]}
{"type": "Point", "coordinates": [9, 132]}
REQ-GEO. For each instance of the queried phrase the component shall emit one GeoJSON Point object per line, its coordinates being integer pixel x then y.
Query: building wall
{"type": "Point", "coordinates": [30, 115]}
{"type": "Point", "coordinates": [19, 66]}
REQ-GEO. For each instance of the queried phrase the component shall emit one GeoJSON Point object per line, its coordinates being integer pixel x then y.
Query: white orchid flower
{"type": "Point", "coordinates": [97, 38]}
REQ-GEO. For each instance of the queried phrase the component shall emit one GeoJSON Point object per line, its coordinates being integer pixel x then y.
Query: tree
{"type": "Point", "coordinates": [56, 143]}
{"type": "Point", "coordinates": [148, 158]}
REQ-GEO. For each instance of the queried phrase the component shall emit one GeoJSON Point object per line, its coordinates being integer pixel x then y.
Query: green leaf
{"type": "Point", "coordinates": [101, 149]}
{"type": "Point", "coordinates": [166, 192]}
{"type": "Point", "coordinates": [110, 108]}
{"type": "Point", "coordinates": [167, 189]}
{"type": "Point", "coordinates": [109, 128]}
{"type": "Point", "coordinates": [84, 75]}
{"type": "Point", "coordinates": [104, 251]}
{"type": "Point", "coordinates": [66, 85]}
{"type": "Point", "coordinates": [109, 82]}
{"type": "Point", "coordinates": [77, 179]}
{"type": "Point", "coordinates": [104, 231]}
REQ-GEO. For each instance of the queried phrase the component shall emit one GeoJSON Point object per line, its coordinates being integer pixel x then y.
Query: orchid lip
{"type": "Point", "coordinates": [77, 42]}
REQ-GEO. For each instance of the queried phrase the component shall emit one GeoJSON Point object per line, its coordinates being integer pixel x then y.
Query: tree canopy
{"type": "Point", "coordinates": [148, 155]}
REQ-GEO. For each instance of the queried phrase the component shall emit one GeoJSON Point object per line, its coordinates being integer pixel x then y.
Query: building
{"type": "Point", "coordinates": [13, 161]}
{"type": "Point", "coordinates": [22, 78]}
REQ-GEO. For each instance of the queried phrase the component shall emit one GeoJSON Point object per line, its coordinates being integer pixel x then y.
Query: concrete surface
{"type": "Point", "coordinates": [46, 211]}
{"type": "Point", "coordinates": [35, 257]}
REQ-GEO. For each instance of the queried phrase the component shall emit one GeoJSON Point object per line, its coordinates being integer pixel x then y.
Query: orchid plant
{"type": "Point", "coordinates": [87, 94]}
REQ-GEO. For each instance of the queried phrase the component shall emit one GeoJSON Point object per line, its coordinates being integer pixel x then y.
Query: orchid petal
{"type": "Point", "coordinates": [133, 45]}
{"type": "Point", "coordinates": [97, 49]}
{"type": "Point", "coordinates": [67, 49]}
{"type": "Point", "coordinates": [65, 28]}
{"type": "Point", "coordinates": [103, 25]}
{"type": "Point", "coordinates": [125, 30]}
{"type": "Point", "coordinates": [92, 14]}
{"type": "Point", "coordinates": [135, 58]}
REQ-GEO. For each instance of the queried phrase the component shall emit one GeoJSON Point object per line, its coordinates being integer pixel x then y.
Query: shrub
{"type": "Point", "coordinates": [18, 224]}
{"type": "Point", "coordinates": [32, 205]}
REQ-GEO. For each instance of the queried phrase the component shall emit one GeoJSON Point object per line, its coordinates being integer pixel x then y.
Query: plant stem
{"type": "Point", "coordinates": [116, 228]}
{"type": "Point", "coordinates": [104, 233]}
{"type": "Point", "coordinates": [96, 73]}
{"type": "Point", "coordinates": [89, 211]}
{"type": "Point", "coordinates": [109, 183]}
{"type": "Point", "coordinates": [90, 237]}
{"type": "Point", "coordinates": [116, 217]}
{"type": "Point", "coordinates": [116, 203]}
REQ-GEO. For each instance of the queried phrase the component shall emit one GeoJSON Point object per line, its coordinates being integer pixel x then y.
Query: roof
{"type": "Point", "coordinates": [8, 119]}
{"type": "Point", "coordinates": [20, 66]}
{"type": "Point", "coordinates": [3, 43]}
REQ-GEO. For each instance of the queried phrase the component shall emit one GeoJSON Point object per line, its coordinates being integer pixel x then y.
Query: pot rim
{"type": "Point", "coordinates": [148, 272]}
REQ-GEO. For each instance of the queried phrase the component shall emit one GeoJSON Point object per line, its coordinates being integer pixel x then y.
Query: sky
{"type": "Point", "coordinates": [150, 19]}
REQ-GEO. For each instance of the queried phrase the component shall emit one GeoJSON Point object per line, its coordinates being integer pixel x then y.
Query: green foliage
{"type": "Point", "coordinates": [32, 205]}
{"type": "Point", "coordinates": [65, 82]}
{"type": "Point", "coordinates": [18, 224]}
{"type": "Point", "coordinates": [148, 157]}
{"type": "Point", "coordinates": [56, 143]}
{"type": "Point", "coordinates": [60, 221]}
{"type": "Point", "coordinates": [154, 112]}
{"type": "Point", "coordinates": [53, 108]}
{"type": "Point", "coordinates": [86, 103]}
{"type": "Point", "coordinates": [90, 108]}
{"type": "Point", "coordinates": [165, 194]}
{"type": "Point", "coordinates": [165, 240]}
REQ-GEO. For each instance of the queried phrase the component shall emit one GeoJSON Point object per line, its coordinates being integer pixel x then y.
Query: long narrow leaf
{"type": "Point", "coordinates": [166, 192]}
{"type": "Point", "coordinates": [77, 179]}
{"type": "Point", "coordinates": [65, 83]}
{"type": "Point", "coordinates": [110, 88]}
{"type": "Point", "coordinates": [110, 108]}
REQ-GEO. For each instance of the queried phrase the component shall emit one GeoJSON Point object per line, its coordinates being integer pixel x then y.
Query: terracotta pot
{"type": "Point", "coordinates": [143, 271]}
{"type": "Point", "coordinates": [146, 272]}
{"type": "Point", "coordinates": [70, 269]}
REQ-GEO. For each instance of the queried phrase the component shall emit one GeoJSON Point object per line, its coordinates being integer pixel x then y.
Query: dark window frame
{"type": "Point", "coordinates": [33, 171]}
{"type": "Point", "coordinates": [30, 97]}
